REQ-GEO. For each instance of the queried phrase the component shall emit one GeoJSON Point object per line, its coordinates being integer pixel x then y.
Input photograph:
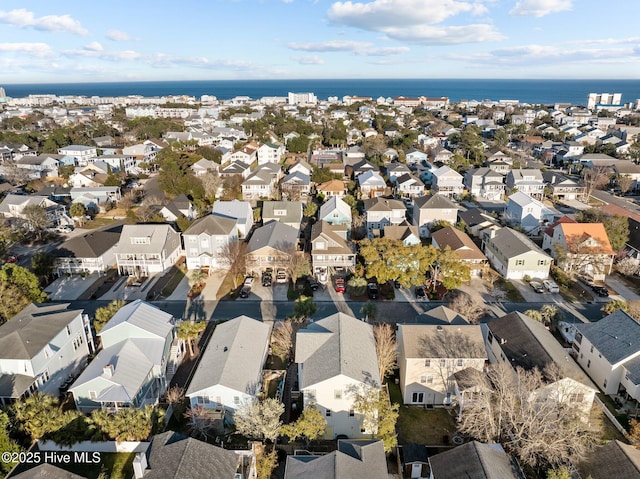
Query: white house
{"type": "Point", "coordinates": [609, 352]}
{"type": "Point", "coordinates": [528, 181]}
{"type": "Point", "coordinates": [408, 186]}
{"type": "Point", "coordinates": [335, 355]}
{"type": "Point", "coordinates": [205, 241]}
{"type": "Point", "coordinates": [240, 211]}
{"type": "Point", "coordinates": [230, 369]}
{"type": "Point", "coordinates": [40, 347]}
{"type": "Point", "coordinates": [447, 182]}
{"type": "Point", "coordinates": [147, 249]}
{"type": "Point", "coordinates": [82, 155]}
{"type": "Point", "coordinates": [381, 212]}
{"type": "Point", "coordinates": [270, 153]}
{"type": "Point", "coordinates": [371, 184]}
{"type": "Point", "coordinates": [528, 213]}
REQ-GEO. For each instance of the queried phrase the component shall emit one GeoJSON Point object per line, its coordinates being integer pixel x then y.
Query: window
{"type": "Point", "coordinates": [542, 262]}
{"type": "Point", "coordinates": [327, 412]}
{"type": "Point", "coordinates": [490, 337]}
{"type": "Point", "coordinates": [337, 394]}
{"type": "Point", "coordinates": [519, 262]}
{"type": "Point", "coordinates": [45, 376]}
{"type": "Point", "coordinates": [459, 362]}
{"type": "Point", "coordinates": [443, 362]}
{"type": "Point", "coordinates": [589, 363]}
{"type": "Point", "coordinates": [429, 379]}
{"type": "Point", "coordinates": [592, 348]}
{"type": "Point", "coordinates": [576, 397]}
{"type": "Point", "coordinates": [423, 379]}
{"type": "Point", "coordinates": [141, 240]}
{"type": "Point", "coordinates": [92, 395]}
{"type": "Point", "coordinates": [417, 397]}
{"type": "Point", "coordinates": [236, 400]}
{"type": "Point", "coordinates": [427, 363]}
{"type": "Point", "coordinates": [352, 413]}
{"type": "Point", "coordinates": [68, 330]}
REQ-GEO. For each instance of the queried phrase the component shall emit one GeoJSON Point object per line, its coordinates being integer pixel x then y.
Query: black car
{"type": "Point", "coordinates": [244, 292]}
{"type": "Point", "coordinates": [266, 279]}
{"type": "Point", "coordinates": [313, 284]}
{"type": "Point", "coordinates": [420, 293]}
{"type": "Point", "coordinates": [396, 284]}
{"type": "Point", "coordinates": [372, 290]}
{"type": "Point", "coordinates": [600, 291]}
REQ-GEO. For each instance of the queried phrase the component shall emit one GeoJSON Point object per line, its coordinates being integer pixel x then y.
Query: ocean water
{"type": "Point", "coordinates": [530, 91]}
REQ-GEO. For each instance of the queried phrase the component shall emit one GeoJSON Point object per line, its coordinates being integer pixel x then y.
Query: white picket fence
{"type": "Point", "coordinates": [100, 446]}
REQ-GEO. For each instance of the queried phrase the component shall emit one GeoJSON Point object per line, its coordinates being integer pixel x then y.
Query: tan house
{"type": "Point", "coordinates": [462, 244]}
{"type": "Point", "coordinates": [430, 355]}
{"type": "Point", "coordinates": [329, 249]}
{"type": "Point", "coordinates": [332, 188]}
{"type": "Point", "coordinates": [271, 246]}
{"type": "Point", "coordinates": [431, 208]}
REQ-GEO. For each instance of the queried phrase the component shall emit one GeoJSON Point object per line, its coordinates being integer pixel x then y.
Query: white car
{"type": "Point", "coordinates": [248, 281]}
{"type": "Point", "coordinates": [551, 286]}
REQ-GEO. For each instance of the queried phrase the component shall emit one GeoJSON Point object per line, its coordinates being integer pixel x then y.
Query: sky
{"type": "Point", "coordinates": [66, 41]}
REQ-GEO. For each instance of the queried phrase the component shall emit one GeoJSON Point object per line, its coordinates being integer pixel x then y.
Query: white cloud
{"type": "Point", "coordinates": [381, 14]}
{"type": "Point", "coordinates": [51, 23]}
{"type": "Point", "coordinates": [383, 52]}
{"type": "Point", "coordinates": [416, 21]}
{"type": "Point", "coordinates": [31, 49]}
{"type": "Point", "coordinates": [94, 47]}
{"type": "Point", "coordinates": [330, 46]}
{"type": "Point", "coordinates": [607, 41]}
{"type": "Point", "coordinates": [309, 60]}
{"type": "Point", "coordinates": [445, 35]}
{"type": "Point", "coordinates": [540, 8]}
{"type": "Point", "coordinates": [119, 36]}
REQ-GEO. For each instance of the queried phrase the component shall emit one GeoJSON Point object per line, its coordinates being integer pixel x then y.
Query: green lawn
{"type": "Point", "coordinates": [511, 292]}
{"type": "Point", "coordinates": [417, 425]}
{"type": "Point", "coordinates": [115, 466]}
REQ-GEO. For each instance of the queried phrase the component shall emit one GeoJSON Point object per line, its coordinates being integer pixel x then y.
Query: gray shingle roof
{"type": "Point", "coordinates": [211, 225]}
{"type": "Point", "coordinates": [337, 344]}
{"type": "Point", "coordinates": [353, 459]}
{"type": "Point", "coordinates": [434, 202]}
{"type": "Point", "coordinates": [447, 341]}
{"type": "Point", "coordinates": [512, 243]}
{"type": "Point", "coordinates": [476, 461]}
{"type": "Point", "coordinates": [144, 316]}
{"type": "Point", "coordinates": [614, 459]}
{"type": "Point", "coordinates": [292, 211]}
{"type": "Point", "coordinates": [383, 204]}
{"type": "Point", "coordinates": [29, 331]}
{"type": "Point", "coordinates": [234, 356]}
{"type": "Point", "coordinates": [174, 456]}
{"type": "Point", "coordinates": [158, 235]}
{"type": "Point", "coordinates": [46, 471]}
{"type": "Point", "coordinates": [275, 235]}
{"type": "Point", "coordinates": [616, 337]}
{"type": "Point", "coordinates": [90, 245]}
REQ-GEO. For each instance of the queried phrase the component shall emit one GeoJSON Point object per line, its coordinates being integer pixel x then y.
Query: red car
{"type": "Point", "coordinates": [12, 259]}
{"type": "Point", "coordinates": [340, 285]}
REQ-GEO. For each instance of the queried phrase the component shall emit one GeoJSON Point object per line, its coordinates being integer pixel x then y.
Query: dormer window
{"type": "Point", "coordinates": [141, 240]}
{"type": "Point", "coordinates": [279, 212]}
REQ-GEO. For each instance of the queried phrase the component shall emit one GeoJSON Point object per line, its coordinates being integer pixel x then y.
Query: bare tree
{"type": "Point", "coordinates": [297, 263]}
{"type": "Point", "coordinates": [539, 430]}
{"type": "Point", "coordinates": [174, 395]}
{"type": "Point", "coordinates": [37, 219]}
{"type": "Point", "coordinates": [233, 255]}
{"type": "Point", "coordinates": [595, 177]}
{"type": "Point", "coordinates": [468, 307]}
{"type": "Point", "coordinates": [211, 183]}
{"type": "Point", "coordinates": [282, 339]}
{"type": "Point", "coordinates": [385, 348]}
{"type": "Point", "coordinates": [583, 257]}
{"type": "Point", "coordinates": [625, 182]}
{"type": "Point", "coordinates": [200, 423]}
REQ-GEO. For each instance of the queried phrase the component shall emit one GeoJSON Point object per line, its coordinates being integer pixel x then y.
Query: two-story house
{"type": "Point", "coordinates": [430, 208]}
{"type": "Point", "coordinates": [396, 170]}
{"type": "Point", "coordinates": [270, 153]}
{"type": "Point", "coordinates": [580, 248]}
{"type": "Point", "coordinates": [485, 183]}
{"type": "Point", "coordinates": [230, 370]}
{"type": "Point", "coordinates": [92, 252]}
{"type": "Point", "coordinates": [140, 353]}
{"type": "Point", "coordinates": [287, 212]}
{"type": "Point", "coordinates": [332, 188]}
{"type": "Point", "coordinates": [335, 355]}
{"type": "Point", "coordinates": [408, 186]}
{"type": "Point", "coordinates": [609, 352]}
{"type": "Point", "coordinates": [447, 182]}
{"type": "Point", "coordinates": [260, 184]}
{"type": "Point", "coordinates": [239, 211]}
{"type": "Point", "coordinates": [381, 212]}
{"type": "Point", "coordinates": [271, 246]}
{"type": "Point", "coordinates": [528, 213]}
{"type": "Point", "coordinates": [205, 241]}
{"type": "Point", "coordinates": [336, 212]}
{"type": "Point", "coordinates": [330, 249]}
{"type": "Point", "coordinates": [41, 347]}
{"type": "Point", "coordinates": [460, 243]}
{"type": "Point", "coordinates": [147, 249]}
{"type": "Point", "coordinates": [295, 186]}
{"type": "Point", "coordinates": [430, 356]}
{"type": "Point", "coordinates": [40, 166]}
{"type": "Point", "coordinates": [562, 187]}
{"type": "Point", "coordinates": [371, 184]}
{"type": "Point", "coordinates": [82, 155]}
{"type": "Point", "coordinates": [514, 255]}
{"type": "Point", "coordinates": [528, 181]}
{"type": "Point", "coordinates": [521, 342]}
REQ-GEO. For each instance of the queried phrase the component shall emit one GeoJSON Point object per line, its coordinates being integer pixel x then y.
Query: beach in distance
{"type": "Point", "coordinates": [528, 91]}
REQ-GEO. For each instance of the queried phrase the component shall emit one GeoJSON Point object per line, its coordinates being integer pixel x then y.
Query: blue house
{"type": "Point", "coordinates": [414, 157]}
{"type": "Point", "coordinates": [335, 212]}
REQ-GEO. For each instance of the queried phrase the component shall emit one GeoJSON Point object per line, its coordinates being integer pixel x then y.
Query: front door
{"type": "Point", "coordinates": [417, 398]}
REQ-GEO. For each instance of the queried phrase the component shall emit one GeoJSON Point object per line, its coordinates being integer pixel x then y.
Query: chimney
{"type": "Point", "coordinates": [107, 371]}
{"type": "Point", "coordinates": [492, 233]}
{"type": "Point", "coordinates": [139, 465]}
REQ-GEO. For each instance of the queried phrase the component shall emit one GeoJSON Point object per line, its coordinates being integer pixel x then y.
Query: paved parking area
{"type": "Point", "coordinates": [69, 288]}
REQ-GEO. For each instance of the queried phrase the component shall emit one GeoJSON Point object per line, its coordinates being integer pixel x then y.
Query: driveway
{"type": "Point", "coordinates": [623, 291]}
{"type": "Point", "coordinates": [69, 288]}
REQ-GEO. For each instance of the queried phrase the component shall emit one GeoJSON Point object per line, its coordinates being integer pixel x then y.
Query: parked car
{"type": "Point", "coordinates": [372, 290]}
{"type": "Point", "coordinates": [12, 259]}
{"type": "Point", "coordinates": [537, 286]}
{"type": "Point", "coordinates": [601, 291]}
{"type": "Point", "coordinates": [313, 284]}
{"type": "Point", "coordinates": [340, 285]}
{"type": "Point", "coordinates": [266, 279]}
{"type": "Point", "coordinates": [248, 281]}
{"type": "Point", "coordinates": [322, 276]}
{"type": "Point", "coordinates": [396, 284]}
{"type": "Point", "coordinates": [244, 292]}
{"type": "Point", "coordinates": [551, 286]}
{"type": "Point", "coordinates": [421, 295]}
{"type": "Point", "coordinates": [281, 275]}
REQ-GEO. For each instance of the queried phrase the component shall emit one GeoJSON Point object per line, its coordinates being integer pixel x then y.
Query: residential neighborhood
{"type": "Point", "coordinates": [335, 288]}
